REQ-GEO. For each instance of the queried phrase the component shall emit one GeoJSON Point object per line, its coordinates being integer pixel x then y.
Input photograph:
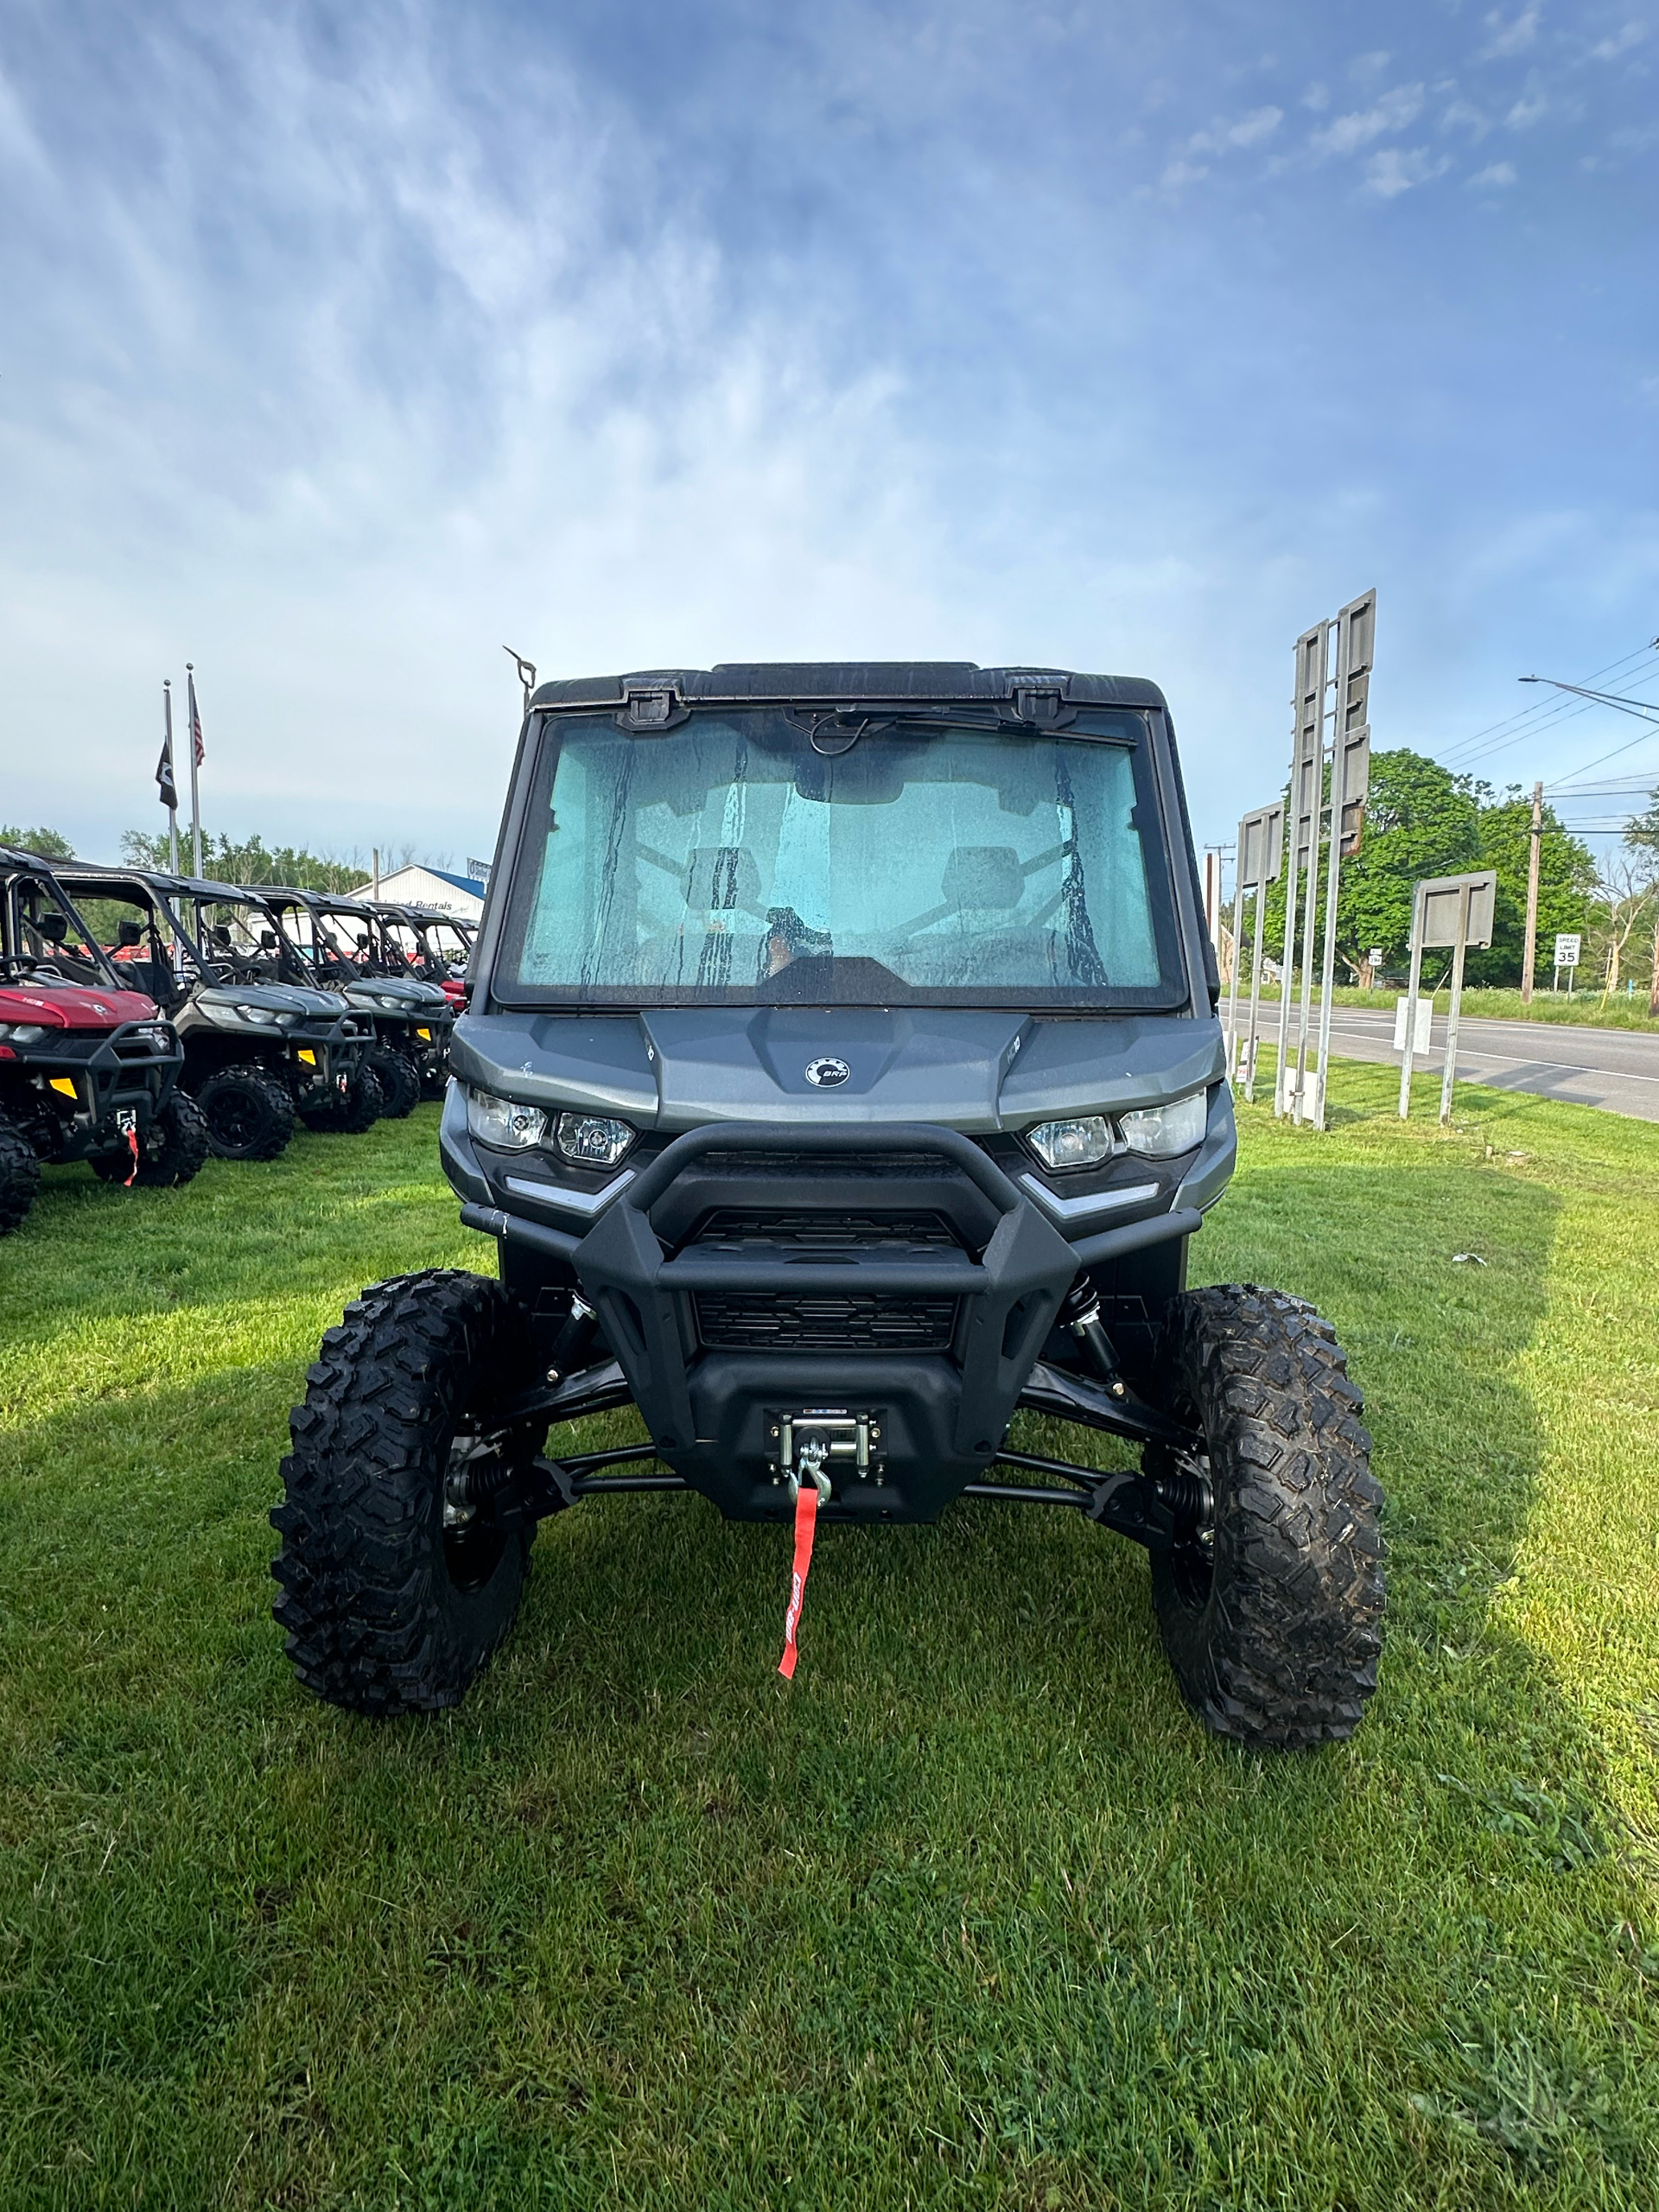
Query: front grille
{"type": "Point", "coordinates": [821, 1229]}
{"type": "Point", "coordinates": [751, 1161]}
{"type": "Point", "coordinates": [830, 1322]}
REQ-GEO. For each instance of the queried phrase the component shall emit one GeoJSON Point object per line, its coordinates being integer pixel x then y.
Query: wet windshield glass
{"type": "Point", "coordinates": [760, 856]}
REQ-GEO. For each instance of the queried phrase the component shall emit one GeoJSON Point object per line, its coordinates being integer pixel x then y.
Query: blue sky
{"type": "Point", "coordinates": [342, 345]}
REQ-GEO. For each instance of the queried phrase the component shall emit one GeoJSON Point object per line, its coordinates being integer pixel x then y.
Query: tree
{"type": "Point", "coordinates": [1643, 838]}
{"type": "Point", "coordinates": [46, 842]}
{"type": "Point", "coordinates": [1627, 899]}
{"type": "Point", "coordinates": [247, 861]}
{"type": "Point", "coordinates": [1567, 885]}
{"type": "Point", "coordinates": [1422, 820]}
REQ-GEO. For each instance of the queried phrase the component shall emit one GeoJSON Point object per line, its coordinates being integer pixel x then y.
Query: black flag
{"type": "Point", "coordinates": [170, 790]}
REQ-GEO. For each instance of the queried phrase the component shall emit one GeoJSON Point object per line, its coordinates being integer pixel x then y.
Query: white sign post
{"type": "Point", "coordinates": [1567, 947]}
{"type": "Point", "coordinates": [1454, 910]}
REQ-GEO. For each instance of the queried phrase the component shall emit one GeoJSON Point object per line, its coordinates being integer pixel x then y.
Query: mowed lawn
{"type": "Point", "coordinates": [973, 1913]}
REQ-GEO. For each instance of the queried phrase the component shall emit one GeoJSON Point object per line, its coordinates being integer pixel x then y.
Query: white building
{"type": "Point", "coordinates": [461, 895]}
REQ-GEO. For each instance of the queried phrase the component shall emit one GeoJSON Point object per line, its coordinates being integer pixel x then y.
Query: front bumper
{"type": "Point", "coordinates": [81, 1085]}
{"type": "Point", "coordinates": [752, 1279]}
{"type": "Point", "coordinates": [323, 1058]}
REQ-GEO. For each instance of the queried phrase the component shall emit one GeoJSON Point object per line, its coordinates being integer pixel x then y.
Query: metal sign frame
{"type": "Point", "coordinates": [1259, 858]}
{"type": "Point", "coordinates": [1454, 910]}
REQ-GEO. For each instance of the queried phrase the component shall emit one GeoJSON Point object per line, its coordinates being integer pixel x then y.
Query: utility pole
{"type": "Point", "coordinates": [1528, 955]}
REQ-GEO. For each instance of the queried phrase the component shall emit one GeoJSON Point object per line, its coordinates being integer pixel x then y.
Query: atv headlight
{"type": "Point", "coordinates": [593, 1140]}
{"type": "Point", "coordinates": [261, 1015]}
{"type": "Point", "coordinates": [1159, 1132]}
{"type": "Point", "coordinates": [504, 1121]}
{"type": "Point", "coordinates": [1082, 1143]}
{"type": "Point", "coordinates": [22, 1033]}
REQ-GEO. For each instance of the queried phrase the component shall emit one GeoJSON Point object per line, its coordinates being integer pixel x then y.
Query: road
{"type": "Point", "coordinates": [1617, 1069]}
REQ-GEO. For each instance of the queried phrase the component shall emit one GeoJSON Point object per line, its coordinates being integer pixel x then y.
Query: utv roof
{"type": "Point", "coordinates": [836, 682]}
{"type": "Point", "coordinates": [158, 879]}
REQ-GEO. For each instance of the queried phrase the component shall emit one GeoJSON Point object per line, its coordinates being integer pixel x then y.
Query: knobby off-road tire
{"type": "Point", "coordinates": [1273, 1624]}
{"type": "Point", "coordinates": [360, 1110]}
{"type": "Point", "coordinates": [399, 1080]}
{"type": "Point", "coordinates": [387, 1609]}
{"type": "Point", "coordinates": [20, 1177]}
{"type": "Point", "coordinates": [249, 1112]}
{"type": "Point", "coordinates": [171, 1151]}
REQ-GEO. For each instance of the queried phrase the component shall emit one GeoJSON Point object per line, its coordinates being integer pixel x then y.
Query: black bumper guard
{"type": "Point", "coordinates": [943, 1414]}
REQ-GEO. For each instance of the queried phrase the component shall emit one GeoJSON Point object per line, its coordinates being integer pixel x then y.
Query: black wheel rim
{"type": "Point", "coordinates": [235, 1120]}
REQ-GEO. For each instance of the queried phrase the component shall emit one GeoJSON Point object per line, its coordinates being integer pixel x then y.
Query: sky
{"type": "Point", "coordinates": [340, 346]}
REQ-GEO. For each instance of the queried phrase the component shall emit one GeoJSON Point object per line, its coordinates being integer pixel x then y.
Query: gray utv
{"type": "Point", "coordinates": [263, 1045]}
{"type": "Point", "coordinates": [842, 1076]}
{"type": "Point", "coordinates": [347, 944]}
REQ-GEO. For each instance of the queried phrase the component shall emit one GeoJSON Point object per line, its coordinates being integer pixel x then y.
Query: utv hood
{"type": "Point", "coordinates": [73, 1006]}
{"type": "Point", "coordinates": [276, 998]}
{"type": "Point", "coordinates": [977, 1073]}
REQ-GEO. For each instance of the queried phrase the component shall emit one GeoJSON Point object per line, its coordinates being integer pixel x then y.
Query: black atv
{"type": "Point", "coordinates": [265, 1044]}
{"type": "Point", "coordinates": [88, 1069]}
{"type": "Point", "coordinates": [842, 1075]}
{"type": "Point", "coordinates": [348, 946]}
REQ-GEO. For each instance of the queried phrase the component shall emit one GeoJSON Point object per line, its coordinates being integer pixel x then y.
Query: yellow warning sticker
{"type": "Point", "coordinates": [66, 1083]}
{"type": "Point", "coordinates": [306, 1054]}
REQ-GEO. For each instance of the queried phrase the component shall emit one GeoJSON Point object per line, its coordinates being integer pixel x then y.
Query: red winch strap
{"type": "Point", "coordinates": [132, 1147]}
{"type": "Point", "coordinates": [806, 1521]}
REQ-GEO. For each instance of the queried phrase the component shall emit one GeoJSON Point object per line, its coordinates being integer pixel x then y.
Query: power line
{"type": "Point", "coordinates": [1527, 719]}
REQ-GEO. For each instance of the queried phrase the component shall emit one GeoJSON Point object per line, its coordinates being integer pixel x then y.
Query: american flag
{"type": "Point", "coordinates": [195, 722]}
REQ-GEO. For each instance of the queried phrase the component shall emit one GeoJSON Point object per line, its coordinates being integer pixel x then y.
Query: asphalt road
{"type": "Point", "coordinates": [1617, 1069]}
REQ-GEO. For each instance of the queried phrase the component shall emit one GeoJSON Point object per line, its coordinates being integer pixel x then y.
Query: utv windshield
{"type": "Point", "coordinates": [782, 856]}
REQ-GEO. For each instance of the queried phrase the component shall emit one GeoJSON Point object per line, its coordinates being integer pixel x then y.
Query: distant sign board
{"type": "Point", "coordinates": [1566, 950]}
{"type": "Point", "coordinates": [1441, 899]}
{"type": "Point", "coordinates": [1261, 846]}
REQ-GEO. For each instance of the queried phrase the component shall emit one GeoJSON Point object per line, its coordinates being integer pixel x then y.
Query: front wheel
{"type": "Point", "coordinates": [359, 1109]}
{"type": "Point", "coordinates": [1270, 1607]}
{"type": "Point", "coordinates": [249, 1112]}
{"type": "Point", "coordinates": [170, 1152]}
{"type": "Point", "coordinates": [396, 1591]}
{"type": "Point", "coordinates": [19, 1177]}
{"type": "Point", "coordinates": [399, 1080]}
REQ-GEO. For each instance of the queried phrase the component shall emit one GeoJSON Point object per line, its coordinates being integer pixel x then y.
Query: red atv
{"type": "Point", "coordinates": [88, 1070]}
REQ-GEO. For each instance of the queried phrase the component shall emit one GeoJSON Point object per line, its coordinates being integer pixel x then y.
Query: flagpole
{"type": "Point", "coordinates": [172, 811]}
{"type": "Point", "coordinates": [195, 778]}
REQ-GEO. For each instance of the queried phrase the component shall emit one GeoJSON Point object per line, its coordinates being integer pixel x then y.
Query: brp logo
{"type": "Point", "coordinates": [824, 1075]}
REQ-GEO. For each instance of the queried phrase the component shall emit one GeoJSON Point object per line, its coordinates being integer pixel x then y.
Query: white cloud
{"type": "Point", "coordinates": [1513, 37]}
{"type": "Point", "coordinates": [1495, 178]}
{"type": "Point", "coordinates": [1180, 173]}
{"type": "Point", "coordinates": [1609, 49]}
{"type": "Point", "coordinates": [1317, 98]}
{"type": "Point", "coordinates": [1397, 169]}
{"type": "Point", "coordinates": [1527, 111]}
{"type": "Point", "coordinates": [1393, 111]}
{"type": "Point", "coordinates": [1464, 115]}
{"type": "Point", "coordinates": [1250, 130]}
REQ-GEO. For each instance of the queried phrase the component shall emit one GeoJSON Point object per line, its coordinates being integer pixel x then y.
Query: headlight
{"type": "Point", "coordinates": [504, 1121]}
{"type": "Point", "coordinates": [593, 1139]}
{"type": "Point", "coordinates": [1160, 1132]}
{"type": "Point", "coordinates": [1082, 1143]}
{"type": "Point", "coordinates": [22, 1033]}
{"type": "Point", "coordinates": [261, 1014]}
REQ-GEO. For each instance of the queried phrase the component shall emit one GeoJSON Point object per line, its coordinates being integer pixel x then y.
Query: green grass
{"type": "Point", "coordinates": [972, 1914]}
{"type": "Point", "coordinates": [1583, 1007]}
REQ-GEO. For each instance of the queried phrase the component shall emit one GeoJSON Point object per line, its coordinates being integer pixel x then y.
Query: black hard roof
{"type": "Point", "coordinates": [875, 681]}
{"type": "Point", "coordinates": [158, 879]}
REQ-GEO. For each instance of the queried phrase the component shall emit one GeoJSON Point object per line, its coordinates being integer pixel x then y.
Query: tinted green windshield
{"type": "Point", "coordinates": [741, 858]}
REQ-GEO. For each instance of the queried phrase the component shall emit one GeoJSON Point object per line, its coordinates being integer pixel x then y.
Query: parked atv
{"type": "Point", "coordinates": [842, 1076]}
{"type": "Point", "coordinates": [345, 943]}
{"type": "Point", "coordinates": [264, 1045]}
{"type": "Point", "coordinates": [88, 1069]}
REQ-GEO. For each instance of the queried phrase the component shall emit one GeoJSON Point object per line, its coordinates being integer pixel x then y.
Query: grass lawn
{"type": "Point", "coordinates": [1583, 1008]}
{"type": "Point", "coordinates": [973, 1914]}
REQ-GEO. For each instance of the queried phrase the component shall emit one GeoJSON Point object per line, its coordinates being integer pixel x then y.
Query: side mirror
{"type": "Point", "coordinates": [53, 927]}
{"type": "Point", "coordinates": [127, 934]}
{"type": "Point", "coordinates": [268, 940]}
